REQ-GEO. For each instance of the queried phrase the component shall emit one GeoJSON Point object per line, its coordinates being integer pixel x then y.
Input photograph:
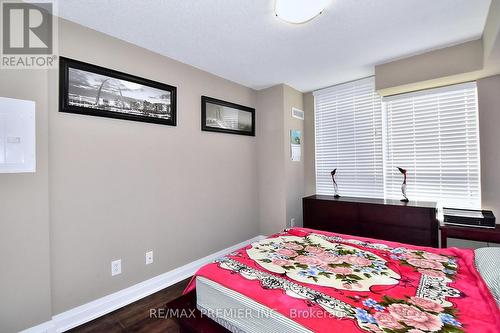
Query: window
{"type": "Point", "coordinates": [348, 122]}
{"type": "Point", "coordinates": [434, 134]}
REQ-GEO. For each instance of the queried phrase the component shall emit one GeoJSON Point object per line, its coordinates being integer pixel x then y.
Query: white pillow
{"type": "Point", "coordinates": [488, 265]}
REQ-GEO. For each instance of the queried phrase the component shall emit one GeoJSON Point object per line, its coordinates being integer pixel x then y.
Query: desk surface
{"type": "Point", "coordinates": [456, 228]}
{"type": "Point", "coordinates": [469, 233]}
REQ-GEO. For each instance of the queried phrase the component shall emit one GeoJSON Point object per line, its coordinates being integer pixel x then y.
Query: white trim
{"type": "Point", "coordinates": [342, 85]}
{"type": "Point", "coordinates": [432, 91]}
{"type": "Point", "coordinates": [95, 309]}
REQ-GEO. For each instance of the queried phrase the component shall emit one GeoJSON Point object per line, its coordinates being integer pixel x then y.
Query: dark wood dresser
{"type": "Point", "coordinates": [406, 222]}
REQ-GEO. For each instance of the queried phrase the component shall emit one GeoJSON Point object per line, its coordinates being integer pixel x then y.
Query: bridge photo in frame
{"type": "Point", "coordinates": [92, 90]}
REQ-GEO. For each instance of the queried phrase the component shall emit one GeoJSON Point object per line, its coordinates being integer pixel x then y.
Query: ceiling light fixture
{"type": "Point", "coordinates": [299, 11]}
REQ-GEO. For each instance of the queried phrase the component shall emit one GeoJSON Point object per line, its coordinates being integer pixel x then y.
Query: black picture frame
{"type": "Point", "coordinates": [159, 113]}
{"type": "Point", "coordinates": [241, 108]}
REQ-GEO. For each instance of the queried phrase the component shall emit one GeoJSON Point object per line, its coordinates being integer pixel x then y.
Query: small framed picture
{"type": "Point", "coordinates": [96, 91]}
{"type": "Point", "coordinates": [226, 117]}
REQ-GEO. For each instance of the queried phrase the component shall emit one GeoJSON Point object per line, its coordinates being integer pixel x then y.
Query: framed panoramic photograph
{"type": "Point", "coordinates": [96, 91]}
{"type": "Point", "coordinates": [226, 117]}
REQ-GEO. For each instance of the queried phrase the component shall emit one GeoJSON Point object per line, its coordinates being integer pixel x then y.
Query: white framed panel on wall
{"type": "Point", "coordinates": [17, 136]}
{"type": "Point", "coordinates": [297, 113]}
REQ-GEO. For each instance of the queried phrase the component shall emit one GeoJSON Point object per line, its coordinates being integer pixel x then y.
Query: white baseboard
{"type": "Point", "coordinates": [92, 310]}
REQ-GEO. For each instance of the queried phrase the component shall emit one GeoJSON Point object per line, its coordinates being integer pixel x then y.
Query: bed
{"type": "Point", "coordinates": [304, 280]}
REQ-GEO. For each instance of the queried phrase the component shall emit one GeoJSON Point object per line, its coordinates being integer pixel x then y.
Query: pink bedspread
{"type": "Point", "coordinates": [338, 283]}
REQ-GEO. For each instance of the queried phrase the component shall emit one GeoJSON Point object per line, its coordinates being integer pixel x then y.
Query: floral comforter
{"type": "Point", "coordinates": [338, 283]}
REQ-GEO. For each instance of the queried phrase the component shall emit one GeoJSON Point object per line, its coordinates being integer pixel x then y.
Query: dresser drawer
{"type": "Point", "coordinates": [338, 217]}
{"type": "Point", "coordinates": [411, 217]}
{"type": "Point", "coordinates": [395, 233]}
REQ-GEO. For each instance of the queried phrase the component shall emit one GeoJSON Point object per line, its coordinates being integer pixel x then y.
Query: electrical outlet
{"type": "Point", "coordinates": [116, 267]}
{"type": "Point", "coordinates": [292, 222]}
{"type": "Point", "coordinates": [149, 257]}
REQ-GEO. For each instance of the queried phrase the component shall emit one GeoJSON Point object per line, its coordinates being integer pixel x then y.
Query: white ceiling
{"type": "Point", "coordinates": [242, 40]}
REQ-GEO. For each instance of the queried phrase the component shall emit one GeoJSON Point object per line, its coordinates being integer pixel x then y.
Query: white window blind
{"type": "Point", "coordinates": [434, 134]}
{"type": "Point", "coordinates": [348, 122]}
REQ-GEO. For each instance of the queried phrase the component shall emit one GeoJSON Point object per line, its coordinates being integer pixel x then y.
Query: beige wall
{"type": "Point", "coordinates": [294, 170]}
{"type": "Point", "coordinates": [120, 188]}
{"type": "Point", "coordinates": [464, 62]}
{"type": "Point", "coordinates": [281, 181]}
{"type": "Point", "coordinates": [309, 146]}
{"type": "Point", "coordinates": [489, 123]}
{"type": "Point", "coordinates": [272, 179]}
{"type": "Point", "coordinates": [24, 218]}
{"type": "Point", "coordinates": [116, 189]}
{"type": "Point", "coordinates": [454, 64]}
{"type": "Point", "coordinates": [491, 34]}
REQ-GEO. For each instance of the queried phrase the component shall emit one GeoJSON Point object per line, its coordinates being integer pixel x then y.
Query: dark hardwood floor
{"type": "Point", "coordinates": [135, 317]}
